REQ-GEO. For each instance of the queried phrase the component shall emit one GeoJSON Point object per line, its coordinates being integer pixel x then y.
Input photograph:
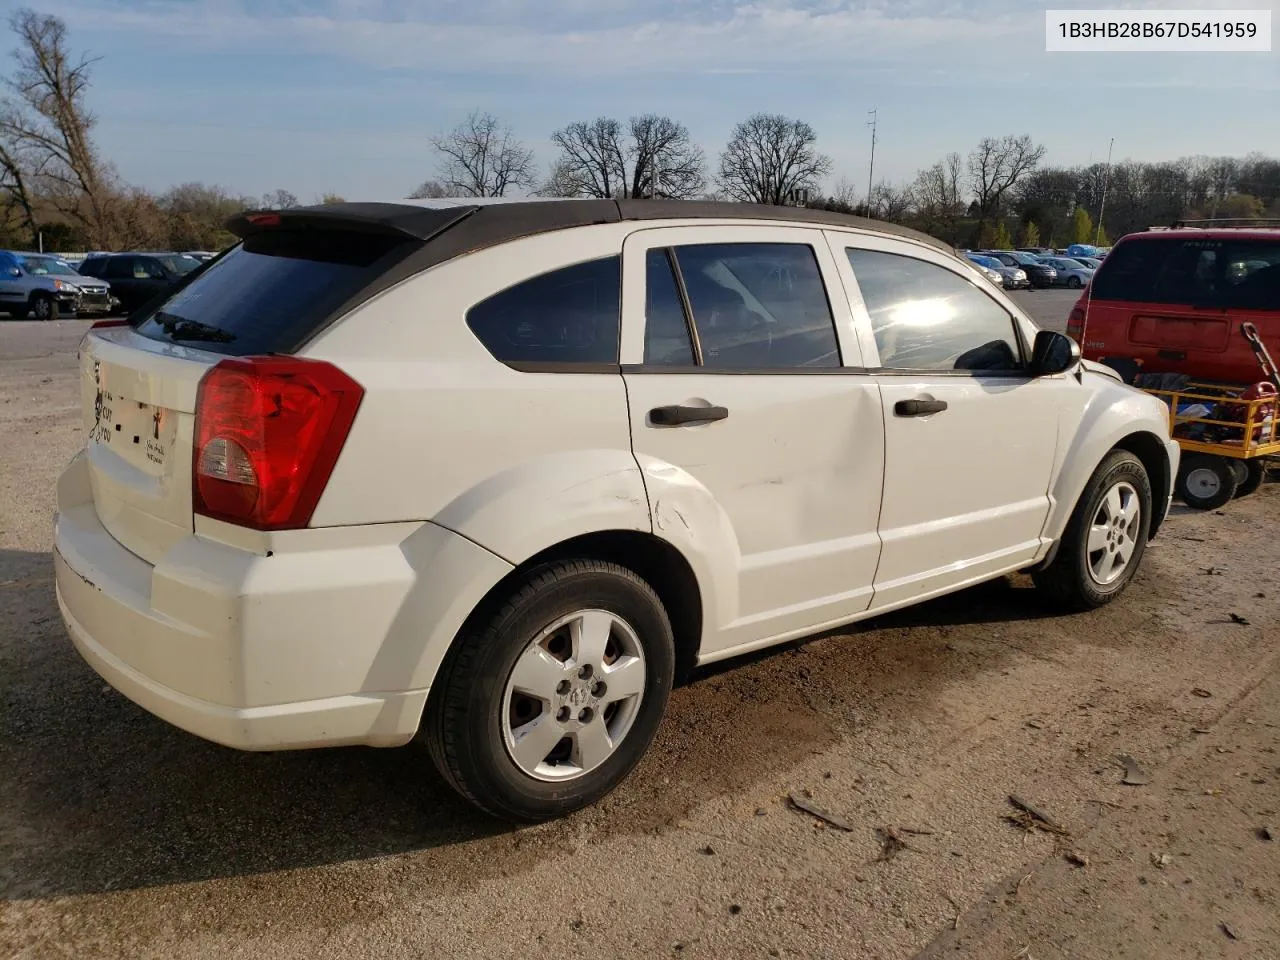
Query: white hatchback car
{"type": "Point", "coordinates": [501, 474]}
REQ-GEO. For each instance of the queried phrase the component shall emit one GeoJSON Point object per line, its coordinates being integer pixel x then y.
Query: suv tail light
{"type": "Point", "coordinates": [1075, 324]}
{"type": "Point", "coordinates": [267, 435]}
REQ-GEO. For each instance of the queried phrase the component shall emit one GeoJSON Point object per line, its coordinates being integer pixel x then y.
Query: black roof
{"type": "Point", "coordinates": [451, 231]}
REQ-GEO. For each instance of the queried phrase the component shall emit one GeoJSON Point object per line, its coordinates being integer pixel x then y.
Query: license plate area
{"type": "Point", "coordinates": [138, 433]}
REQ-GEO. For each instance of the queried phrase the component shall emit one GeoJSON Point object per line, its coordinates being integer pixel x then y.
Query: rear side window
{"type": "Point", "coordinates": [569, 315]}
{"type": "Point", "coordinates": [758, 306]}
{"type": "Point", "coordinates": [270, 293]}
{"type": "Point", "coordinates": [92, 267]}
{"type": "Point", "coordinates": [1230, 273]}
{"type": "Point", "coordinates": [119, 267]}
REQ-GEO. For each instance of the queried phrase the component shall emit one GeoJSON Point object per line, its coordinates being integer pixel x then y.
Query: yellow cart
{"type": "Point", "coordinates": [1228, 435]}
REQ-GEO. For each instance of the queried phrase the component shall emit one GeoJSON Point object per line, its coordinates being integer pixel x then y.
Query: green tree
{"type": "Point", "coordinates": [1030, 234]}
{"type": "Point", "coordinates": [1103, 239]}
{"type": "Point", "coordinates": [329, 198]}
{"type": "Point", "coordinates": [1081, 226]}
{"type": "Point", "coordinates": [1002, 241]}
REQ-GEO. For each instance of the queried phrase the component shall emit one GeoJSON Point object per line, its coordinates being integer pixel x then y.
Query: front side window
{"type": "Point", "coordinates": [758, 306]}
{"type": "Point", "coordinates": [118, 268]}
{"type": "Point", "coordinates": [569, 315]}
{"type": "Point", "coordinates": [928, 318]}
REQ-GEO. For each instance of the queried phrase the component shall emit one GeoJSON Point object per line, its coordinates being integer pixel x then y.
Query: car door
{"type": "Point", "coordinates": [118, 271]}
{"type": "Point", "coordinates": [13, 291]}
{"type": "Point", "coordinates": [151, 276]}
{"type": "Point", "coordinates": [759, 436]}
{"type": "Point", "coordinates": [970, 434]}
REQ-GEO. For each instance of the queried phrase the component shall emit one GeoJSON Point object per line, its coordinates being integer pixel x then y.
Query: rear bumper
{"type": "Point", "coordinates": [332, 639]}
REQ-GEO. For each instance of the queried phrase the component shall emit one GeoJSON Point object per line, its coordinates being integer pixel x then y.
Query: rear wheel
{"type": "Point", "coordinates": [1073, 282]}
{"type": "Point", "coordinates": [1105, 538]}
{"type": "Point", "coordinates": [1255, 474]}
{"type": "Point", "coordinates": [549, 701]}
{"type": "Point", "coordinates": [1206, 482]}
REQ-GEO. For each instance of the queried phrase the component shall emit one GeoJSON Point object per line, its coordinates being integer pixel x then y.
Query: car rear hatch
{"type": "Point", "coordinates": [1176, 303]}
{"type": "Point", "coordinates": [293, 274]}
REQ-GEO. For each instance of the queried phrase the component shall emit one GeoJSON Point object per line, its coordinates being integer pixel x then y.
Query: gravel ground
{"type": "Point", "coordinates": [123, 837]}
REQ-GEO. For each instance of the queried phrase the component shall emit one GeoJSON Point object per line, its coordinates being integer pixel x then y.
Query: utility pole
{"type": "Point", "coordinates": [871, 170]}
{"type": "Point", "coordinates": [1097, 234]}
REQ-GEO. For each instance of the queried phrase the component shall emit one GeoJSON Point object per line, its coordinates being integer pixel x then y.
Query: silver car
{"type": "Point", "coordinates": [45, 287]}
{"type": "Point", "coordinates": [1071, 272]}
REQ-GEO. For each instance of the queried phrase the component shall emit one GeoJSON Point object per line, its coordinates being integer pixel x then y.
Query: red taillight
{"type": "Point", "coordinates": [1075, 323]}
{"type": "Point", "coordinates": [265, 219]}
{"type": "Point", "coordinates": [268, 433]}
{"type": "Point", "coordinates": [98, 325]}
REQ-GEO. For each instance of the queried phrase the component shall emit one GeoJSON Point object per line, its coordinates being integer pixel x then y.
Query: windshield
{"type": "Point", "coordinates": [990, 263]}
{"type": "Point", "coordinates": [269, 294]}
{"type": "Point", "coordinates": [40, 266]}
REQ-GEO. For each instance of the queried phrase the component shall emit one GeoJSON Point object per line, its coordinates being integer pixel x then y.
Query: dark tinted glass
{"type": "Point", "coordinates": [666, 331]}
{"type": "Point", "coordinates": [759, 305]}
{"type": "Point", "coordinates": [119, 267]}
{"type": "Point", "coordinates": [1243, 273]}
{"type": "Point", "coordinates": [566, 316]}
{"type": "Point", "coordinates": [92, 266]}
{"type": "Point", "coordinates": [269, 294]}
{"type": "Point", "coordinates": [927, 318]}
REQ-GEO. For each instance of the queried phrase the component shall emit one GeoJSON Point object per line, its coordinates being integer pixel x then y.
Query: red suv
{"type": "Point", "coordinates": [1174, 299]}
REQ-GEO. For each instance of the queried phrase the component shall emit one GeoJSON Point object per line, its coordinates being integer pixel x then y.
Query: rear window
{"type": "Point", "coordinates": [1216, 272]}
{"type": "Point", "coordinates": [269, 294]}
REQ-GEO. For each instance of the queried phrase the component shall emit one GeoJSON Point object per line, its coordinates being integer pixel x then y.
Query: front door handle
{"type": "Point", "coordinates": [918, 408]}
{"type": "Point", "coordinates": [678, 414]}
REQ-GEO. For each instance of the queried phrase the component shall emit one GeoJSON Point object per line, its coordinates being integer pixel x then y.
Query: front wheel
{"type": "Point", "coordinates": [1206, 482]}
{"type": "Point", "coordinates": [44, 307]}
{"type": "Point", "coordinates": [1105, 538]}
{"type": "Point", "coordinates": [546, 703]}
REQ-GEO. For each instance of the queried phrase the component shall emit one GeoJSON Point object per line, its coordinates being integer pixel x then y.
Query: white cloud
{"type": "Point", "coordinates": [571, 36]}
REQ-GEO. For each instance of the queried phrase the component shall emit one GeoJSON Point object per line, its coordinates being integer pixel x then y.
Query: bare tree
{"type": "Point", "coordinates": [768, 156]}
{"type": "Point", "coordinates": [939, 192]}
{"type": "Point", "coordinates": [481, 158]}
{"type": "Point", "coordinates": [996, 167]}
{"type": "Point", "coordinates": [430, 190]}
{"type": "Point", "coordinates": [890, 203]}
{"type": "Point", "coordinates": [16, 195]}
{"type": "Point", "coordinates": [47, 121]}
{"type": "Point", "coordinates": [652, 156]}
{"type": "Point", "coordinates": [279, 200]}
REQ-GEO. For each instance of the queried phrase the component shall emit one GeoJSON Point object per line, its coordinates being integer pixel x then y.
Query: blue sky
{"type": "Point", "coordinates": [342, 95]}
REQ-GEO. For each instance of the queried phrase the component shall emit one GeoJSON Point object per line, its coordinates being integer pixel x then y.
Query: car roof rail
{"type": "Point", "coordinates": [1241, 222]}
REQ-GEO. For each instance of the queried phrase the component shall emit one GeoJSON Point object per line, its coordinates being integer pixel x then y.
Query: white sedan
{"type": "Point", "coordinates": [498, 475]}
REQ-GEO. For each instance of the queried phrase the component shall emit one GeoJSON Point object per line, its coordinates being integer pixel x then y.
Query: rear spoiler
{"type": "Point", "coordinates": [382, 219]}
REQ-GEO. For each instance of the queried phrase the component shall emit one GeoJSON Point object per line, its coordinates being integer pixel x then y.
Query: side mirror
{"type": "Point", "coordinates": [1053, 353]}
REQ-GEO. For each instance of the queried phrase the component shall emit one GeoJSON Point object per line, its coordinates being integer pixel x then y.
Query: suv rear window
{"type": "Point", "coordinates": [270, 293]}
{"type": "Point", "coordinates": [1229, 272]}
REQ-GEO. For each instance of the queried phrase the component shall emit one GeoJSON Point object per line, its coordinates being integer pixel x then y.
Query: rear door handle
{"type": "Point", "coordinates": [678, 414]}
{"type": "Point", "coordinates": [918, 408]}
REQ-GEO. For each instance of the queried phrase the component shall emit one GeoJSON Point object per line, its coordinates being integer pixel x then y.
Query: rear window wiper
{"type": "Point", "coordinates": [178, 328]}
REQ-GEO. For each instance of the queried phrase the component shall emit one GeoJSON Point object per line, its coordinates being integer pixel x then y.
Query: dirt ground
{"type": "Point", "coordinates": [123, 837]}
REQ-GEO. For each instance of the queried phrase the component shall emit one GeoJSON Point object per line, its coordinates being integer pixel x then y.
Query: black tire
{"type": "Point", "coordinates": [1073, 283]}
{"type": "Point", "coordinates": [1206, 482]}
{"type": "Point", "coordinates": [1069, 581]}
{"type": "Point", "coordinates": [42, 303]}
{"type": "Point", "coordinates": [1255, 474]}
{"type": "Point", "coordinates": [464, 720]}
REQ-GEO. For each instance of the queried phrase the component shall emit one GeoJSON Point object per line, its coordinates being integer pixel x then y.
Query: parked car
{"type": "Point", "coordinates": [1071, 273]}
{"type": "Point", "coordinates": [1011, 278]}
{"type": "Point", "coordinates": [386, 468]}
{"type": "Point", "coordinates": [1093, 263]}
{"type": "Point", "coordinates": [1039, 274]}
{"type": "Point", "coordinates": [200, 255]}
{"type": "Point", "coordinates": [137, 277]}
{"type": "Point", "coordinates": [45, 288]}
{"type": "Point", "coordinates": [987, 269]}
{"type": "Point", "coordinates": [1175, 299]}
{"type": "Point", "coordinates": [1038, 251]}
